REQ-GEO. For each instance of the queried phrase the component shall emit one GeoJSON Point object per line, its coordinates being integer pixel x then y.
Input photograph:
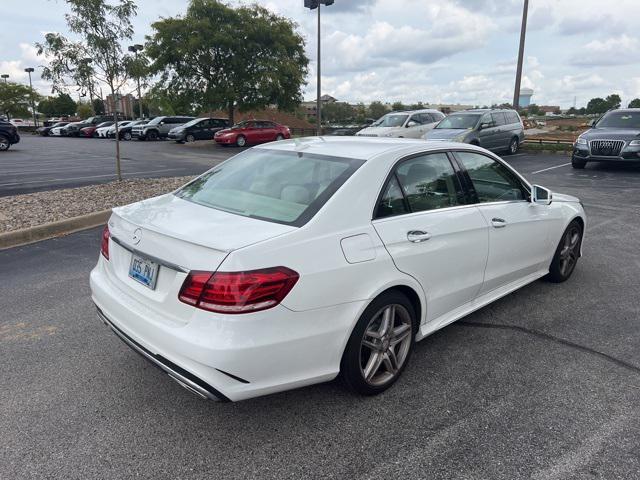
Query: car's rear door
{"type": "Point", "coordinates": [521, 233]}
{"type": "Point", "coordinates": [431, 233]}
{"type": "Point", "coordinates": [503, 135]}
{"type": "Point", "coordinates": [201, 130]}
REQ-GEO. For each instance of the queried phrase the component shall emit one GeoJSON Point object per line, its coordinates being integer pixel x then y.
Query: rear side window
{"type": "Point", "coordinates": [492, 181]}
{"type": "Point", "coordinates": [273, 185]}
{"type": "Point", "coordinates": [392, 202]}
{"type": "Point", "coordinates": [498, 119]}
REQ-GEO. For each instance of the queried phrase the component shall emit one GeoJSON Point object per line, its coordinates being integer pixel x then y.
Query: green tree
{"type": "Point", "coordinates": [398, 106]}
{"type": "Point", "coordinates": [338, 112]}
{"type": "Point", "coordinates": [613, 101]}
{"type": "Point", "coordinates": [227, 58]}
{"type": "Point", "coordinates": [98, 106]}
{"type": "Point", "coordinates": [84, 110]}
{"type": "Point", "coordinates": [533, 109]}
{"type": "Point", "coordinates": [100, 26]}
{"type": "Point", "coordinates": [377, 109]}
{"type": "Point", "coordinates": [15, 99]}
{"type": "Point", "coordinates": [597, 106]}
{"type": "Point", "coordinates": [635, 103]}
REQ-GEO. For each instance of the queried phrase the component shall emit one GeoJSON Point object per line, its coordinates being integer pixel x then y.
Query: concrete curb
{"type": "Point", "coordinates": [60, 228]}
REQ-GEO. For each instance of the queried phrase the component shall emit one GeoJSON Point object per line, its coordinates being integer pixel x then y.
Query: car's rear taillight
{"type": "Point", "coordinates": [104, 245]}
{"type": "Point", "coordinates": [238, 292]}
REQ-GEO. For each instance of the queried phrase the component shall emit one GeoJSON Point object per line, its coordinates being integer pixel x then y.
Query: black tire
{"type": "Point", "coordinates": [126, 136]}
{"type": "Point", "coordinates": [513, 147]}
{"type": "Point", "coordinates": [474, 142]}
{"type": "Point", "coordinates": [279, 137]}
{"type": "Point", "coordinates": [578, 164]}
{"type": "Point", "coordinates": [241, 141]}
{"type": "Point", "coordinates": [567, 254]}
{"type": "Point", "coordinates": [152, 135]}
{"type": "Point", "coordinates": [358, 356]}
{"type": "Point", "coordinates": [190, 138]}
{"type": "Point", "coordinates": [4, 143]}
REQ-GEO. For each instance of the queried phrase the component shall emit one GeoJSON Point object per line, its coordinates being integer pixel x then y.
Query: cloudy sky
{"type": "Point", "coordinates": [438, 51]}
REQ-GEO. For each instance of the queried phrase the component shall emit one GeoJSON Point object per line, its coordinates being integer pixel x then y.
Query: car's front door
{"type": "Point", "coordinates": [521, 233]}
{"type": "Point", "coordinates": [431, 233]}
{"type": "Point", "coordinates": [203, 130]}
{"type": "Point", "coordinates": [488, 134]}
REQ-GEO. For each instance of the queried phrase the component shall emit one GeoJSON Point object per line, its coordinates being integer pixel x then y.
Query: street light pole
{"type": "Point", "coordinates": [33, 104]}
{"type": "Point", "coordinates": [523, 33]}
{"type": "Point", "coordinates": [135, 49]}
{"type": "Point", "coordinates": [319, 85]}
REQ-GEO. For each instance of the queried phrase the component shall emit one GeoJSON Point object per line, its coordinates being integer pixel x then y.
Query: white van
{"type": "Point", "coordinates": [410, 124]}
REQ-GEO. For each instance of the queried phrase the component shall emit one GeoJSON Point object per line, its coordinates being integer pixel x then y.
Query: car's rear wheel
{"type": "Point", "coordinates": [578, 164]}
{"type": "Point", "coordinates": [566, 257]}
{"type": "Point", "coordinates": [190, 138]}
{"type": "Point", "coordinates": [4, 143]}
{"type": "Point", "coordinates": [126, 135]}
{"type": "Point", "coordinates": [380, 345]}
{"type": "Point", "coordinates": [514, 144]}
{"type": "Point", "coordinates": [241, 141]}
{"type": "Point", "coordinates": [152, 135]}
{"type": "Point", "coordinates": [279, 137]}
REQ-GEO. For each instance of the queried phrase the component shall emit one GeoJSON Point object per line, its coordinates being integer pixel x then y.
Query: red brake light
{"type": "Point", "coordinates": [104, 245]}
{"type": "Point", "coordinates": [238, 292]}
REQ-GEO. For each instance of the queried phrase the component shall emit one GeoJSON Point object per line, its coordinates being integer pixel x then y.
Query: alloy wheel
{"type": "Point", "coordinates": [385, 345]}
{"type": "Point", "coordinates": [190, 138]}
{"type": "Point", "coordinates": [570, 250]}
{"type": "Point", "coordinates": [241, 141]}
{"type": "Point", "coordinates": [513, 148]}
{"type": "Point", "coordinates": [4, 144]}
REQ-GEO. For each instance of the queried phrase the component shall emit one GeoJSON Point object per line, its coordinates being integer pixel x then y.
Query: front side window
{"type": "Point", "coordinates": [498, 119]}
{"type": "Point", "coordinates": [492, 181]}
{"type": "Point", "coordinates": [272, 185]}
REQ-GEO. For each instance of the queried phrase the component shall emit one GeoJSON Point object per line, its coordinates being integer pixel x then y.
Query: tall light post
{"type": "Point", "coordinates": [523, 34]}
{"type": "Point", "coordinates": [33, 104]}
{"type": "Point", "coordinates": [4, 76]}
{"type": "Point", "coordinates": [135, 49]}
{"type": "Point", "coordinates": [312, 4]}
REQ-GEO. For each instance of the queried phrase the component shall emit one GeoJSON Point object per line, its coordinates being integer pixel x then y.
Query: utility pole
{"type": "Point", "coordinates": [33, 105]}
{"type": "Point", "coordinates": [523, 33]}
{"type": "Point", "coordinates": [135, 49]}
{"type": "Point", "coordinates": [312, 4]}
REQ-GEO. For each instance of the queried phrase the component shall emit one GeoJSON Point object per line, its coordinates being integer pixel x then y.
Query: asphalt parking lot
{"type": "Point", "coordinates": [47, 163]}
{"type": "Point", "coordinates": [543, 384]}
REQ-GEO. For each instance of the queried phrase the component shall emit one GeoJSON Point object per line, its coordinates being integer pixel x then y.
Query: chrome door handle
{"type": "Point", "coordinates": [498, 222]}
{"type": "Point", "coordinates": [417, 236]}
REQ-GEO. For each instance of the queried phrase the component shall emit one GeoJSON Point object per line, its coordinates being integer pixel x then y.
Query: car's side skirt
{"type": "Point", "coordinates": [476, 304]}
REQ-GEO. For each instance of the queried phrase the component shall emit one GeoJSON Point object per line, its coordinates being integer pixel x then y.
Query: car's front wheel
{"type": "Point", "coordinates": [566, 257]}
{"type": "Point", "coordinates": [279, 137]}
{"type": "Point", "coordinates": [578, 164]}
{"type": "Point", "coordinates": [241, 141]}
{"type": "Point", "coordinates": [190, 138]}
{"type": "Point", "coordinates": [152, 135]}
{"type": "Point", "coordinates": [513, 146]}
{"type": "Point", "coordinates": [380, 345]}
{"type": "Point", "coordinates": [4, 143]}
{"type": "Point", "coordinates": [126, 136]}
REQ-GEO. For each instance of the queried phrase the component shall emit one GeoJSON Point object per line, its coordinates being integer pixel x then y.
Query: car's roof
{"type": "Point", "coordinates": [362, 148]}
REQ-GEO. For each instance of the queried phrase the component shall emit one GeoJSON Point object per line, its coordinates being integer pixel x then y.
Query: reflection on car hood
{"type": "Point", "coordinates": [378, 131]}
{"type": "Point", "coordinates": [611, 134]}
{"type": "Point", "coordinates": [445, 133]}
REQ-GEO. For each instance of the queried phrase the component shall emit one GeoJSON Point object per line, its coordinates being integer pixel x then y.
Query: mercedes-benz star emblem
{"type": "Point", "coordinates": [137, 236]}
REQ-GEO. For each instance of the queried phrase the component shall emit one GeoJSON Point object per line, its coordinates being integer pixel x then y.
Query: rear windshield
{"type": "Point", "coordinates": [459, 122]}
{"type": "Point", "coordinates": [620, 120]}
{"type": "Point", "coordinates": [273, 185]}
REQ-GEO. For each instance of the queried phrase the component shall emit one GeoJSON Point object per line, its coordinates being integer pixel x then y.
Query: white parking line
{"type": "Point", "coordinates": [124, 174]}
{"type": "Point", "coordinates": [551, 168]}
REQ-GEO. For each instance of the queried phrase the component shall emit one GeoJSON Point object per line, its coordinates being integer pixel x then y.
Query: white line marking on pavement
{"type": "Point", "coordinates": [551, 168]}
{"type": "Point", "coordinates": [124, 174]}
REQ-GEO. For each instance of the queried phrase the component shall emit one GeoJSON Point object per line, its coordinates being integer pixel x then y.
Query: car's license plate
{"type": "Point", "coordinates": [144, 271]}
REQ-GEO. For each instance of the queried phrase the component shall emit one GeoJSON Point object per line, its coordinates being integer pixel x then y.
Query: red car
{"type": "Point", "coordinates": [252, 132]}
{"type": "Point", "coordinates": [90, 131]}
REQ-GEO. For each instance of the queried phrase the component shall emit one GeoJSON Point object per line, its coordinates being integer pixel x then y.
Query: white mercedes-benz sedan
{"type": "Point", "coordinates": [301, 260]}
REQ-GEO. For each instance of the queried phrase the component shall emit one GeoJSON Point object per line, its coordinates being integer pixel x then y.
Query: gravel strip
{"type": "Point", "coordinates": [32, 209]}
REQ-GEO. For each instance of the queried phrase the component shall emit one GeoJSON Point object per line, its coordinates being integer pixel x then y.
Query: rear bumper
{"type": "Point", "coordinates": [229, 357]}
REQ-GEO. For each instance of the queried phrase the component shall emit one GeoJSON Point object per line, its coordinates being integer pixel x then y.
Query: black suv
{"type": "Point", "coordinates": [614, 137]}
{"type": "Point", "coordinates": [198, 129]}
{"type": "Point", "coordinates": [8, 135]}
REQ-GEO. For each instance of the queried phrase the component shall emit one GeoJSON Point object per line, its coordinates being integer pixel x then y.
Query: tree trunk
{"type": "Point", "coordinates": [231, 113]}
{"type": "Point", "coordinates": [115, 119]}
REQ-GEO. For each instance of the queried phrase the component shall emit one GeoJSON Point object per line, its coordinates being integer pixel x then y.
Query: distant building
{"type": "Point", "coordinates": [310, 108]}
{"type": "Point", "coordinates": [122, 104]}
{"type": "Point", "coordinates": [525, 97]}
{"type": "Point", "coordinates": [448, 108]}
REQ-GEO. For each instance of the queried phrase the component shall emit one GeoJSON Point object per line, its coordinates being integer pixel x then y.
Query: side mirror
{"type": "Point", "coordinates": [541, 195]}
{"type": "Point", "coordinates": [592, 123]}
{"type": "Point", "coordinates": [161, 123]}
{"type": "Point", "coordinates": [412, 124]}
{"type": "Point", "coordinates": [484, 125]}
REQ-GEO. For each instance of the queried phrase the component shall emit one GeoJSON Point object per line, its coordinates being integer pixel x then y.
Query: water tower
{"type": "Point", "coordinates": [525, 97]}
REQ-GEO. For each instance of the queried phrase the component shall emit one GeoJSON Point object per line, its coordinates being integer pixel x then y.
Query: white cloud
{"type": "Point", "coordinates": [613, 51]}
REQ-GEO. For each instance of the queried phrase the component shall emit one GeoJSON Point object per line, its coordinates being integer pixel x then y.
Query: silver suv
{"type": "Point", "coordinates": [157, 128]}
{"type": "Point", "coordinates": [499, 130]}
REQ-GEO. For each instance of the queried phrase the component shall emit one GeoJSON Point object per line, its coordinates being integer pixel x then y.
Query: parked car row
{"type": "Point", "coordinates": [498, 130]}
{"type": "Point", "coordinates": [8, 135]}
